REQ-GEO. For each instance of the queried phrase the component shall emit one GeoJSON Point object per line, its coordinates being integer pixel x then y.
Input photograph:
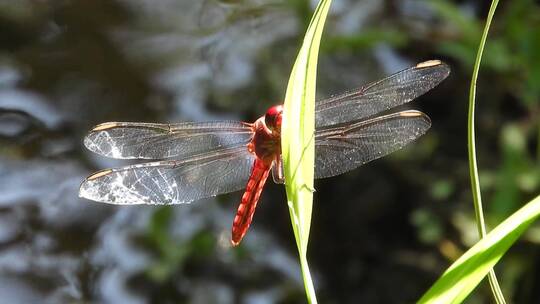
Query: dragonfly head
{"type": "Point", "coordinates": [272, 118]}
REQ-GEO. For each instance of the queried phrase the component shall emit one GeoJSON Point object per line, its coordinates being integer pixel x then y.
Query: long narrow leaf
{"type": "Point", "coordinates": [467, 272]}
{"type": "Point", "coordinates": [298, 149]}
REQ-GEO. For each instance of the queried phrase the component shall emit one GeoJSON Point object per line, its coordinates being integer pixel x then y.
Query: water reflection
{"type": "Point", "coordinates": [127, 60]}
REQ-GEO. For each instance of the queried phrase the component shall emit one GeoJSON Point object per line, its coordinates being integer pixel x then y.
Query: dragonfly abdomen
{"type": "Point", "coordinates": [249, 201]}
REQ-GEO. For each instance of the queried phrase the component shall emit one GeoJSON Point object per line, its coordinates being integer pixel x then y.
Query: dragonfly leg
{"type": "Point", "coordinates": [277, 170]}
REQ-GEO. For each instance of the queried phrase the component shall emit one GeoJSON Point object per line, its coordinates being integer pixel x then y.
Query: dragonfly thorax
{"type": "Point", "coordinates": [266, 142]}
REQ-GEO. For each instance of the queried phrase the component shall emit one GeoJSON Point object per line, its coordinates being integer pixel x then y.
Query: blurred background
{"type": "Point", "coordinates": [380, 234]}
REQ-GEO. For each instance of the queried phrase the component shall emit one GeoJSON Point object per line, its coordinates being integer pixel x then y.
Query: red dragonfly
{"type": "Point", "coordinates": [196, 160]}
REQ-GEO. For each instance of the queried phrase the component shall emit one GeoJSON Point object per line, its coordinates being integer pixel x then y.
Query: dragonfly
{"type": "Point", "coordinates": [190, 161]}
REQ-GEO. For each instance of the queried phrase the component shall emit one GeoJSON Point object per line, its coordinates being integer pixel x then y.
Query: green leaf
{"type": "Point", "coordinates": [297, 138]}
{"type": "Point", "coordinates": [467, 272]}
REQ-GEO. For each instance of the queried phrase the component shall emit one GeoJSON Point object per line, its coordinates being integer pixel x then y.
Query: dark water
{"type": "Point", "coordinates": [380, 234]}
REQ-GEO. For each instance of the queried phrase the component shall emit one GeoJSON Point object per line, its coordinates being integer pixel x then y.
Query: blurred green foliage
{"type": "Point", "coordinates": [172, 253]}
{"type": "Point", "coordinates": [512, 55]}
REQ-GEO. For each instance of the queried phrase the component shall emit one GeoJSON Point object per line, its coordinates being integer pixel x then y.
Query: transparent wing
{"type": "Point", "coordinates": [129, 140]}
{"type": "Point", "coordinates": [382, 95]}
{"type": "Point", "coordinates": [171, 182]}
{"type": "Point", "coordinates": [341, 149]}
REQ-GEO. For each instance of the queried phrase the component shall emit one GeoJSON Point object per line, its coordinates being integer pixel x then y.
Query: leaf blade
{"type": "Point", "coordinates": [466, 273]}
{"type": "Point", "coordinates": [297, 140]}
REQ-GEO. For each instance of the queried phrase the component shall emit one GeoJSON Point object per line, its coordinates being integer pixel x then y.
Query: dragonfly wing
{"type": "Point", "coordinates": [382, 95]}
{"type": "Point", "coordinates": [341, 149]}
{"type": "Point", "coordinates": [129, 140]}
{"type": "Point", "coordinates": [171, 182]}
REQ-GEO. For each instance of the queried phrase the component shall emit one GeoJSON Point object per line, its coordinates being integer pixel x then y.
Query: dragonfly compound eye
{"type": "Point", "coordinates": [272, 118]}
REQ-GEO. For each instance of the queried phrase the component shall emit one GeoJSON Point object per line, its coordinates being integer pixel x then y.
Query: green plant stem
{"type": "Point", "coordinates": [538, 144]}
{"type": "Point", "coordinates": [473, 166]}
